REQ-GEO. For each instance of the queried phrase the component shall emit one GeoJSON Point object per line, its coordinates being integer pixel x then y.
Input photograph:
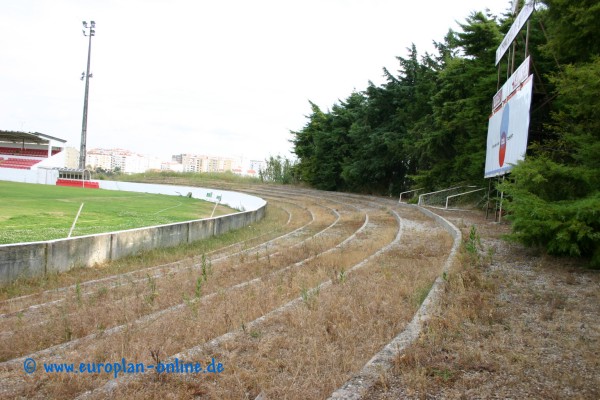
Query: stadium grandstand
{"type": "Point", "coordinates": [20, 150]}
{"type": "Point", "coordinates": [37, 158]}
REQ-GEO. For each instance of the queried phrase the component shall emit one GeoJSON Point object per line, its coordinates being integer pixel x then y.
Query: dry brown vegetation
{"type": "Point", "coordinates": [292, 306]}
{"type": "Point", "coordinates": [276, 221]}
{"type": "Point", "coordinates": [296, 305]}
{"type": "Point", "coordinates": [511, 323]}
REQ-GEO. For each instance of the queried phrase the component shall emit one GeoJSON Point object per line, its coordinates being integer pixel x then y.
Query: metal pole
{"type": "Point", "coordinates": [82, 149]}
{"type": "Point", "coordinates": [501, 198]}
{"type": "Point", "coordinates": [511, 57]}
{"type": "Point", "coordinates": [512, 62]}
{"type": "Point", "coordinates": [508, 64]}
{"type": "Point", "coordinates": [527, 40]}
{"type": "Point", "coordinates": [487, 207]}
{"type": "Point", "coordinates": [498, 82]}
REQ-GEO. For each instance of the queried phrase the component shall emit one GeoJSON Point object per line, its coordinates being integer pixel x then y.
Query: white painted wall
{"type": "Point", "coordinates": [240, 201]}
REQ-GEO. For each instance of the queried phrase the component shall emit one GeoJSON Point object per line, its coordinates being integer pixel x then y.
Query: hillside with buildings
{"type": "Point", "coordinates": [130, 162]}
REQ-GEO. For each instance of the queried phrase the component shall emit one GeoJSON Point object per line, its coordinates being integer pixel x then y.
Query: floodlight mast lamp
{"type": "Point", "coordinates": [91, 31]}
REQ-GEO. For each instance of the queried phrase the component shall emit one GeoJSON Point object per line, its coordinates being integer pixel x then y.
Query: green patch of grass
{"type": "Point", "coordinates": [32, 212]}
{"type": "Point", "coordinates": [192, 178]}
{"type": "Point", "coordinates": [272, 224]}
{"type": "Point", "coordinates": [421, 294]}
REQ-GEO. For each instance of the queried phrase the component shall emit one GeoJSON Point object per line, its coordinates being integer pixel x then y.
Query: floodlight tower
{"type": "Point", "coordinates": [91, 31]}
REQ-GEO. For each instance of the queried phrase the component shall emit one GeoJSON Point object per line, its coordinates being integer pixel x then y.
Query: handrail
{"type": "Point", "coordinates": [461, 194]}
{"type": "Point", "coordinates": [439, 191]}
{"type": "Point", "coordinates": [408, 191]}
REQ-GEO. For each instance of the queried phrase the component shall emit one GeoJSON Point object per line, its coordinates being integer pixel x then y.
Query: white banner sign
{"type": "Point", "coordinates": [514, 29]}
{"type": "Point", "coordinates": [508, 130]}
{"type": "Point", "coordinates": [511, 84]}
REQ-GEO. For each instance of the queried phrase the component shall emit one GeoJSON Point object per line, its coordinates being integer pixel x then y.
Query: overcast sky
{"type": "Point", "coordinates": [221, 77]}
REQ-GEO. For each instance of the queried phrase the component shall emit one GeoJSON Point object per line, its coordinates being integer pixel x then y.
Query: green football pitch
{"type": "Point", "coordinates": [30, 212]}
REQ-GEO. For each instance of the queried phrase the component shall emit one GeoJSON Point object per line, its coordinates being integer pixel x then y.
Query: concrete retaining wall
{"type": "Point", "coordinates": [25, 260]}
{"type": "Point", "coordinates": [240, 201]}
{"type": "Point", "coordinates": [22, 259]}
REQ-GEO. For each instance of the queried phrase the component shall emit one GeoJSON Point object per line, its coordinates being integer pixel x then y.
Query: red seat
{"type": "Point", "coordinates": [78, 183]}
{"type": "Point", "coordinates": [14, 151]}
{"type": "Point", "coordinates": [18, 163]}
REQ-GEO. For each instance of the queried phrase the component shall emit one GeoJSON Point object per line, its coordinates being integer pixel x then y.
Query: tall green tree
{"type": "Point", "coordinates": [556, 194]}
{"type": "Point", "coordinates": [452, 150]}
{"type": "Point", "coordinates": [556, 191]}
{"type": "Point", "coordinates": [427, 125]}
{"type": "Point", "coordinates": [279, 170]}
{"type": "Point", "coordinates": [573, 29]}
{"type": "Point", "coordinates": [305, 144]}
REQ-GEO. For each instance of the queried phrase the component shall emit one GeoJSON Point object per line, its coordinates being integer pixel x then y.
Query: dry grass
{"type": "Point", "coordinates": [307, 351]}
{"type": "Point", "coordinates": [210, 317]}
{"type": "Point", "coordinates": [510, 325]}
{"type": "Point", "coordinates": [156, 263]}
{"type": "Point", "coordinates": [105, 306]}
{"type": "Point", "coordinates": [81, 314]}
{"type": "Point", "coordinates": [300, 351]}
{"type": "Point", "coordinates": [272, 225]}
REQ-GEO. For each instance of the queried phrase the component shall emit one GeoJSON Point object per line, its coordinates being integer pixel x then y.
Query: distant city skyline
{"type": "Point", "coordinates": [128, 161]}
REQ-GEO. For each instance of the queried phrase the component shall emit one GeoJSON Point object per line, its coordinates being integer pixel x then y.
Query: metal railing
{"type": "Point", "coordinates": [441, 198]}
{"type": "Point", "coordinates": [461, 194]}
{"type": "Point", "coordinates": [408, 191]}
{"type": "Point", "coordinates": [424, 195]}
